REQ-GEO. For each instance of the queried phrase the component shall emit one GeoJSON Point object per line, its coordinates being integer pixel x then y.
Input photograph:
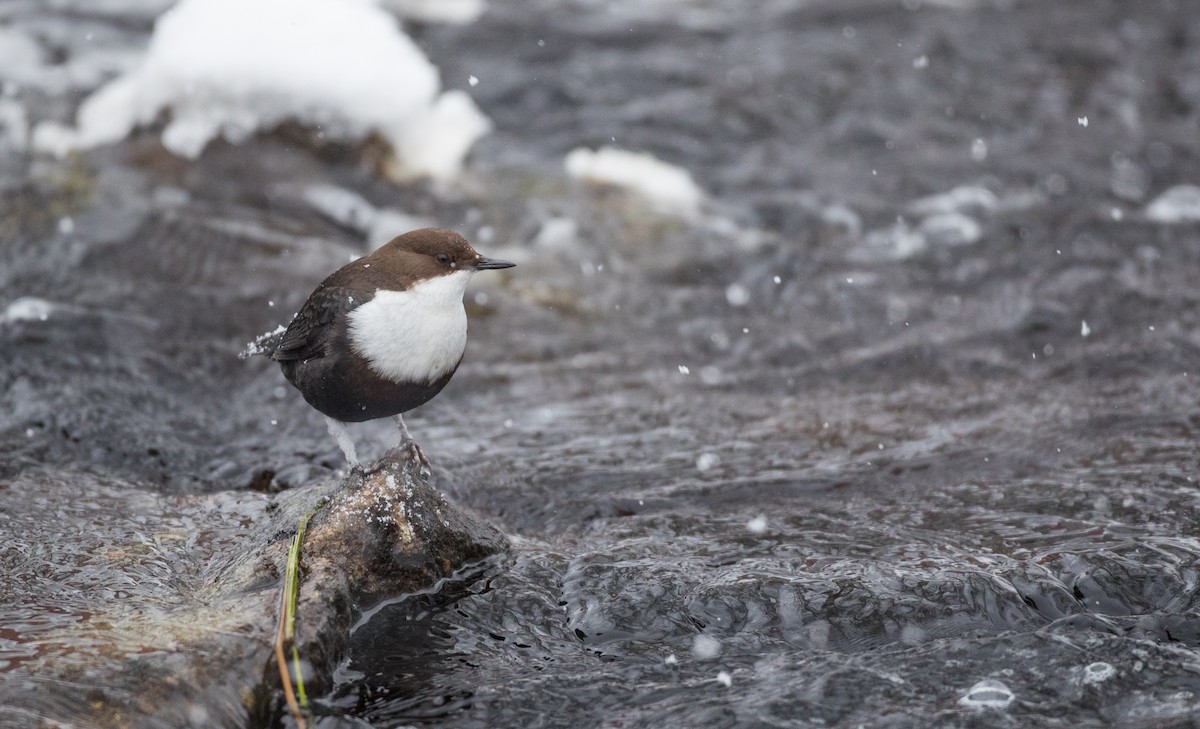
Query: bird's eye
{"type": "Point", "coordinates": [443, 258]}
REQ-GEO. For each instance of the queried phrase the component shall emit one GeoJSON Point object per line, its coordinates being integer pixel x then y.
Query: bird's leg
{"type": "Point", "coordinates": [338, 430]}
{"type": "Point", "coordinates": [407, 439]}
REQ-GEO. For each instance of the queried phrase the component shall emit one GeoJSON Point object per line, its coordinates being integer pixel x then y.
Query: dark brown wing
{"type": "Point", "coordinates": [311, 332]}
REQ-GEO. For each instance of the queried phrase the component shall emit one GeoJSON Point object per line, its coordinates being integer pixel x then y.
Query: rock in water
{"type": "Point", "coordinates": [167, 619]}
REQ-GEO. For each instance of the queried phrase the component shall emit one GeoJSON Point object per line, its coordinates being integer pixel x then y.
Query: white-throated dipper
{"type": "Point", "coordinates": [383, 334]}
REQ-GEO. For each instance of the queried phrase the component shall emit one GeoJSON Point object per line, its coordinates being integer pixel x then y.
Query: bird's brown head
{"type": "Point", "coordinates": [431, 252]}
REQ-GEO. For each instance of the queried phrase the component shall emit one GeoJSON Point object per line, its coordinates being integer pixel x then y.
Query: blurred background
{"type": "Point", "coordinates": [846, 376]}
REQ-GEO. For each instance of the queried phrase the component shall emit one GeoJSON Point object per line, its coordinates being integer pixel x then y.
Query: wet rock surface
{"type": "Point", "coordinates": [177, 627]}
{"type": "Point", "coordinates": [901, 432]}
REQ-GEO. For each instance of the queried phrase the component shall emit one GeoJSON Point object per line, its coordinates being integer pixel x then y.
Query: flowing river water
{"type": "Point", "coordinates": [899, 433]}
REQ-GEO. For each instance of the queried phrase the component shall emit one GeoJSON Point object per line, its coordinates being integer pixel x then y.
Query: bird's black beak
{"type": "Point", "coordinates": [488, 264]}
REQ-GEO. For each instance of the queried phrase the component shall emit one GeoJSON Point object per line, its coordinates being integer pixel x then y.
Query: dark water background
{"type": "Point", "coordinates": [832, 455]}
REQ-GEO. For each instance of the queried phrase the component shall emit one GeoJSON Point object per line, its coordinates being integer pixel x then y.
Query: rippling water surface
{"type": "Point", "coordinates": [900, 433]}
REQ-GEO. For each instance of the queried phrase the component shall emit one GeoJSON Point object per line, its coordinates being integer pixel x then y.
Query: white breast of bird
{"type": "Point", "coordinates": [415, 335]}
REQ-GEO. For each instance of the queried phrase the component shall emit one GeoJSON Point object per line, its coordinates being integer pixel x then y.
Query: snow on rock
{"type": "Point", "coordinates": [438, 11]}
{"type": "Point", "coordinates": [27, 308]}
{"type": "Point", "coordinates": [667, 188]}
{"type": "Point", "coordinates": [1179, 204]}
{"type": "Point", "coordinates": [437, 140]}
{"type": "Point", "coordinates": [229, 68]}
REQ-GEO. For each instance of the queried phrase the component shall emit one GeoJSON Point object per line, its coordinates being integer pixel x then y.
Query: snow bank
{"type": "Point", "coordinates": [230, 68]}
{"type": "Point", "coordinates": [668, 188]}
{"type": "Point", "coordinates": [438, 11]}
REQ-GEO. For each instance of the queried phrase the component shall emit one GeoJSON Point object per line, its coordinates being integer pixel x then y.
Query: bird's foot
{"type": "Point", "coordinates": [408, 450]}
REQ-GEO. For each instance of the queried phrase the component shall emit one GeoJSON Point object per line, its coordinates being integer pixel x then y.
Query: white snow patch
{"type": "Point", "coordinates": [1179, 204]}
{"type": "Point", "coordinates": [707, 461]}
{"type": "Point", "coordinates": [668, 188]}
{"type": "Point", "coordinates": [438, 139]}
{"type": "Point", "coordinates": [27, 308]}
{"type": "Point", "coordinates": [259, 345]}
{"type": "Point", "coordinates": [705, 646]}
{"type": "Point", "coordinates": [757, 525]}
{"type": "Point", "coordinates": [1084, 329]}
{"type": "Point", "coordinates": [671, 660]}
{"type": "Point", "coordinates": [724, 679]}
{"type": "Point", "coordinates": [228, 68]}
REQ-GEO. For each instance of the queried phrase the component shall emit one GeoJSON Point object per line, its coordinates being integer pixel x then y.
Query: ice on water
{"type": "Point", "coordinates": [990, 693]}
{"type": "Point", "coordinates": [1098, 672]}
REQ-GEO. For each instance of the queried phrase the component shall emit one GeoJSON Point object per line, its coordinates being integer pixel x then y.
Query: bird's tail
{"type": "Point", "coordinates": [264, 343]}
